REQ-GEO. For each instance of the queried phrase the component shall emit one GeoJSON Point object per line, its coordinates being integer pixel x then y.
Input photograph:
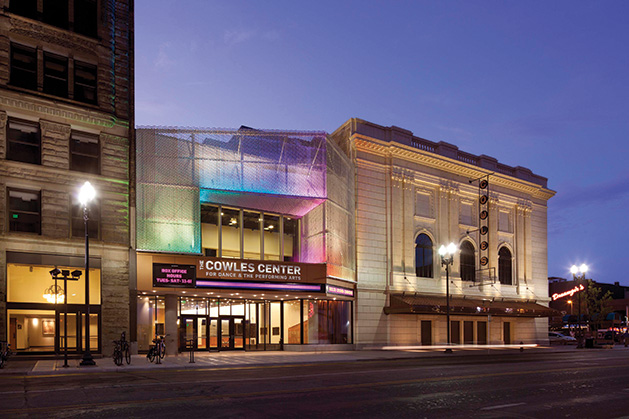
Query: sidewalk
{"type": "Point", "coordinates": [237, 359]}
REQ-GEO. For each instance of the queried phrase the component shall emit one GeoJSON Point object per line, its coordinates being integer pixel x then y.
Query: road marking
{"type": "Point", "coordinates": [502, 406]}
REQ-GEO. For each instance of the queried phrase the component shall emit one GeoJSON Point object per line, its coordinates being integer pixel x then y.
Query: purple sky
{"type": "Point", "coordinates": [539, 84]}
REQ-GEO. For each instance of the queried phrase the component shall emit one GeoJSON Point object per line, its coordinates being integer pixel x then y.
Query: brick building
{"type": "Point", "coordinates": [66, 108]}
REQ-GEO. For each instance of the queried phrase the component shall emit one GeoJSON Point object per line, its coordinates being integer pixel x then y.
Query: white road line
{"type": "Point", "coordinates": [502, 406]}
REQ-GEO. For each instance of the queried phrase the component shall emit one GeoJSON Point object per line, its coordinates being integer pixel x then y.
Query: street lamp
{"type": "Point", "coordinates": [86, 195]}
{"type": "Point", "coordinates": [447, 259]}
{"type": "Point", "coordinates": [75, 277]}
{"type": "Point", "coordinates": [575, 270]}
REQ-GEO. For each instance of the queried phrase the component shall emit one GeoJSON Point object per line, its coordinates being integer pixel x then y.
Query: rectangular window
{"type": "Point", "coordinates": [26, 8]}
{"type": "Point", "coordinates": [231, 231]}
{"type": "Point", "coordinates": [24, 67]}
{"type": "Point", "coordinates": [291, 239]}
{"type": "Point", "coordinates": [23, 141]}
{"type": "Point", "coordinates": [56, 13]}
{"type": "Point", "coordinates": [24, 211]}
{"type": "Point", "coordinates": [84, 153]}
{"type": "Point", "coordinates": [85, 82]}
{"type": "Point", "coordinates": [271, 237]}
{"type": "Point", "coordinates": [85, 17]}
{"type": "Point", "coordinates": [93, 223]}
{"type": "Point", "coordinates": [55, 75]}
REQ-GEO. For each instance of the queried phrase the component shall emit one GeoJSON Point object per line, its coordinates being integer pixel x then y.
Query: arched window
{"type": "Point", "coordinates": [504, 266]}
{"type": "Point", "coordinates": [468, 262]}
{"type": "Point", "coordinates": [423, 256]}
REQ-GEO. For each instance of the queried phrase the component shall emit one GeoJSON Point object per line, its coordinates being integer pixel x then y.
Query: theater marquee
{"type": "Point", "coordinates": [264, 271]}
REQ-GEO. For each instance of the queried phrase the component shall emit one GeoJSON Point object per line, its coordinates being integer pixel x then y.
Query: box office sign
{"type": "Point", "coordinates": [169, 275]}
{"type": "Point", "coordinates": [260, 270]}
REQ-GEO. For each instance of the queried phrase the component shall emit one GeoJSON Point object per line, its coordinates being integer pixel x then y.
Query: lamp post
{"type": "Point", "coordinates": [86, 195]}
{"type": "Point", "coordinates": [575, 270]}
{"type": "Point", "coordinates": [75, 277]}
{"type": "Point", "coordinates": [447, 259]}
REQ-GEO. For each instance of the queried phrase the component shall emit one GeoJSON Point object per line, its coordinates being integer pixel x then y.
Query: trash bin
{"type": "Point", "coordinates": [589, 342]}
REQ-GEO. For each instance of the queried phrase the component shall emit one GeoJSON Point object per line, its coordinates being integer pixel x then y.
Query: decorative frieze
{"type": "Point", "coordinates": [54, 36]}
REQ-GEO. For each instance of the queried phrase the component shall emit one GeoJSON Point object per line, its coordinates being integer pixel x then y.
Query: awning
{"type": "Point", "coordinates": [427, 304]}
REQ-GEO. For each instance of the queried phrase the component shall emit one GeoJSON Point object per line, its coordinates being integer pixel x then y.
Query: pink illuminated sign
{"type": "Point", "coordinates": [331, 289]}
{"type": "Point", "coordinates": [180, 276]}
{"type": "Point", "coordinates": [570, 292]}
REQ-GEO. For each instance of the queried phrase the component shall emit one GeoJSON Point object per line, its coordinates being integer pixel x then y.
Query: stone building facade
{"type": "Point", "coordinates": [412, 196]}
{"type": "Point", "coordinates": [66, 112]}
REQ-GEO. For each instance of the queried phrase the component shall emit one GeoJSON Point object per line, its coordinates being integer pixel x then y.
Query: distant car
{"type": "Point", "coordinates": [555, 337]}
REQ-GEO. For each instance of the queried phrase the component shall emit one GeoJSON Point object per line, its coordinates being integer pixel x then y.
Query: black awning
{"type": "Point", "coordinates": [428, 304]}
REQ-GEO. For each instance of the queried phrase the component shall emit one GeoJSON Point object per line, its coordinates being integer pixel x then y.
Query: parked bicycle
{"type": "Point", "coordinates": [5, 352]}
{"type": "Point", "coordinates": [157, 350]}
{"type": "Point", "coordinates": [121, 349]}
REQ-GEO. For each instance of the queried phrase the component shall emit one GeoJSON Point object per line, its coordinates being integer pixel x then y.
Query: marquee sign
{"type": "Point", "coordinates": [262, 270]}
{"type": "Point", "coordinates": [178, 276]}
{"type": "Point", "coordinates": [570, 292]}
{"type": "Point", "coordinates": [333, 289]}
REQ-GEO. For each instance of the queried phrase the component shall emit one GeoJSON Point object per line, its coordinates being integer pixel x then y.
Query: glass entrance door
{"type": "Point", "coordinates": [193, 329]}
{"type": "Point", "coordinates": [231, 333]}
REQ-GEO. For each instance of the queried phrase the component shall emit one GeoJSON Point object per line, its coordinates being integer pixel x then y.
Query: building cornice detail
{"type": "Point", "coordinates": [378, 147]}
{"type": "Point", "coordinates": [33, 29]}
{"type": "Point", "coordinates": [36, 105]}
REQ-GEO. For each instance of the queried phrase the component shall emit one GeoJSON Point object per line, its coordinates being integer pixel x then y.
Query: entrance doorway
{"type": "Point", "coordinates": [195, 329]}
{"type": "Point", "coordinates": [231, 331]}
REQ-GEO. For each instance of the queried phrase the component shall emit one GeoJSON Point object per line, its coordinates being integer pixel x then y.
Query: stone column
{"type": "Point", "coordinates": [55, 144]}
{"type": "Point", "coordinates": [172, 331]}
{"type": "Point", "coordinates": [3, 137]}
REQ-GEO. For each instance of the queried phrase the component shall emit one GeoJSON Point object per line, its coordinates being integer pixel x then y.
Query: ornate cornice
{"type": "Point", "coordinates": [47, 34]}
{"type": "Point", "coordinates": [41, 107]}
{"type": "Point", "coordinates": [401, 151]}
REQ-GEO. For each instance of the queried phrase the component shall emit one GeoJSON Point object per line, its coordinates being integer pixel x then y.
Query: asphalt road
{"type": "Point", "coordinates": [579, 384]}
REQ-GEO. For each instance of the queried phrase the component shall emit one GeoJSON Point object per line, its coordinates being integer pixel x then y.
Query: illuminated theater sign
{"type": "Point", "coordinates": [178, 276]}
{"type": "Point", "coordinates": [570, 292]}
{"type": "Point", "coordinates": [262, 270]}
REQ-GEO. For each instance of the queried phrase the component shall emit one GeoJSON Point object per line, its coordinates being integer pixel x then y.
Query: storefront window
{"type": "Point", "coordinates": [194, 306]}
{"type": "Point", "coordinates": [271, 237]}
{"type": "Point", "coordinates": [230, 233]}
{"type": "Point", "coordinates": [213, 307]}
{"type": "Point", "coordinates": [327, 321]}
{"type": "Point", "coordinates": [251, 332]}
{"type": "Point", "coordinates": [238, 308]}
{"type": "Point", "coordinates": [251, 222]}
{"type": "Point", "coordinates": [34, 284]}
{"type": "Point", "coordinates": [275, 322]}
{"type": "Point", "coordinates": [292, 322]}
{"type": "Point", "coordinates": [225, 308]}
{"type": "Point", "coordinates": [151, 320]}
{"type": "Point", "coordinates": [32, 330]}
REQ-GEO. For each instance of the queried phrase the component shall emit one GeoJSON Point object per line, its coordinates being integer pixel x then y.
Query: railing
{"type": "Point", "coordinates": [505, 170]}
{"type": "Point", "coordinates": [467, 158]}
{"type": "Point", "coordinates": [424, 145]}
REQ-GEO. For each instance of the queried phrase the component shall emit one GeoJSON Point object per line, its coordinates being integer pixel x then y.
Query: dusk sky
{"type": "Point", "coordinates": [539, 84]}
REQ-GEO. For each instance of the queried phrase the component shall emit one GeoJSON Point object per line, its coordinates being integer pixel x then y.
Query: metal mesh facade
{"type": "Point", "coordinates": [293, 173]}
